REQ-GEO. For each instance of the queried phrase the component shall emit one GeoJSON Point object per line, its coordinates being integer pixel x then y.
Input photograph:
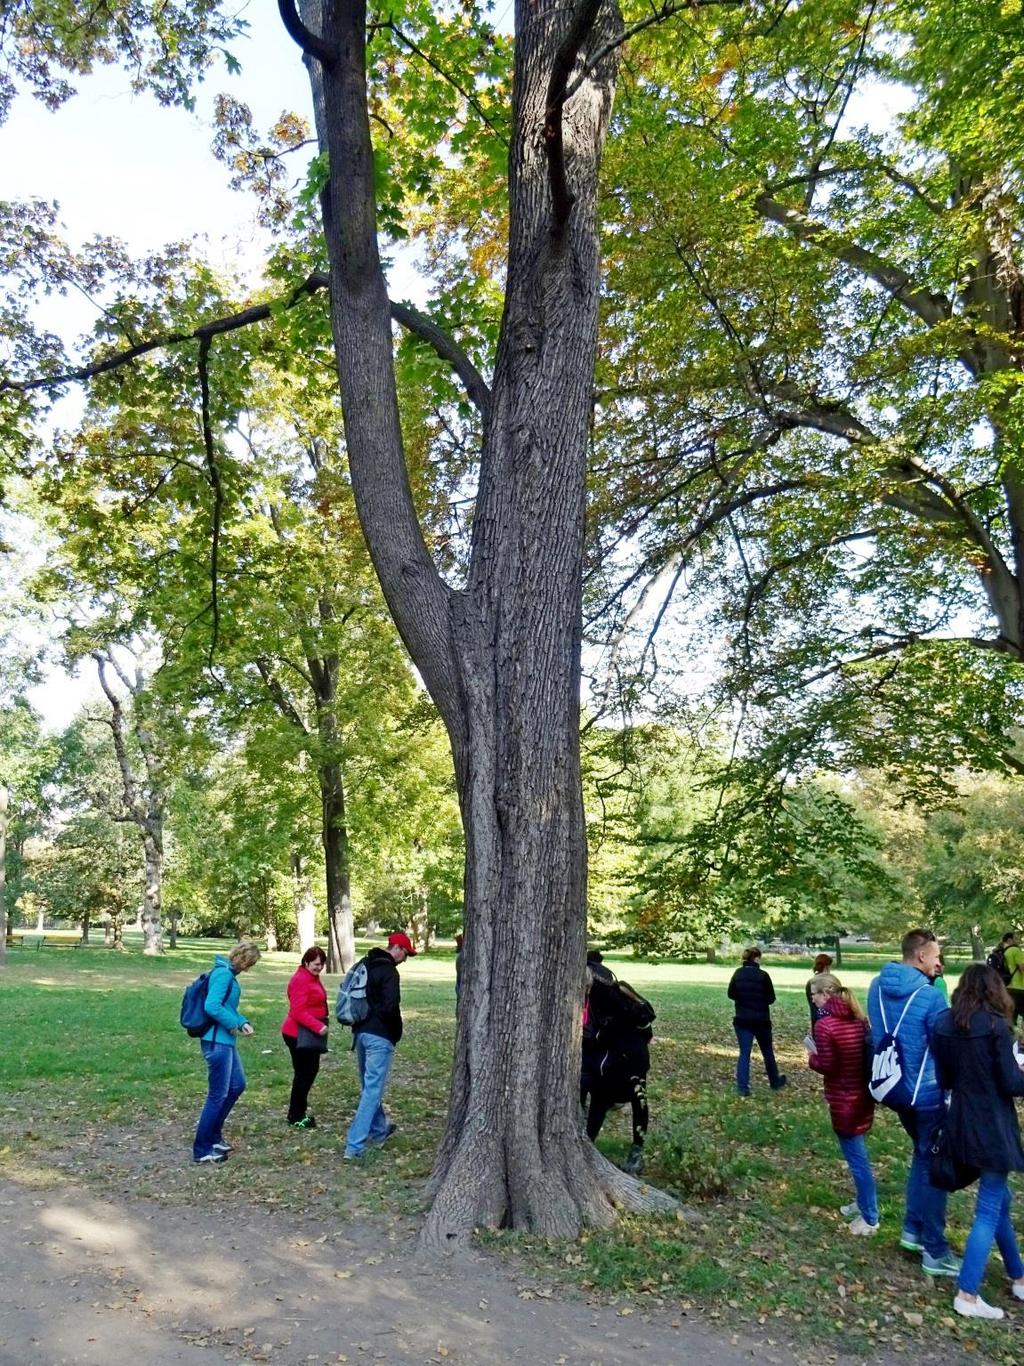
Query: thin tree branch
{"type": "Point", "coordinates": [470, 99]}
{"type": "Point", "coordinates": [410, 318]}
{"type": "Point", "coordinates": [663, 12]}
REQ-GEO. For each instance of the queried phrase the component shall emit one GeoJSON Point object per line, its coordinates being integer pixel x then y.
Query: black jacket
{"type": "Point", "coordinates": [751, 989]}
{"type": "Point", "coordinates": [979, 1068]}
{"type": "Point", "coordinates": [383, 996]}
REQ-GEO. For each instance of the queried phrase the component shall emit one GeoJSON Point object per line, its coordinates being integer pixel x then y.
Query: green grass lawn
{"type": "Point", "coordinates": [98, 1082]}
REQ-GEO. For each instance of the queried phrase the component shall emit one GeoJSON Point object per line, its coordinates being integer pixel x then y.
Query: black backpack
{"type": "Point", "coordinates": [997, 960]}
{"type": "Point", "coordinates": [617, 1006]}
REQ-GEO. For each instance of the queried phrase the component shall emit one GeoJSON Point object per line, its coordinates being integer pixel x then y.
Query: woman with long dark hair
{"type": "Point", "coordinates": [307, 1008]}
{"type": "Point", "coordinates": [973, 1048]}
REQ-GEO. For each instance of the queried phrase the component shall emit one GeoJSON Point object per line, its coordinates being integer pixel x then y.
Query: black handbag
{"type": "Point", "coordinates": [309, 1041]}
{"type": "Point", "coordinates": [945, 1171]}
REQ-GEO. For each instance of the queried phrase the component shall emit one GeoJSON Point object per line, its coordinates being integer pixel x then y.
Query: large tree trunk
{"type": "Point", "coordinates": [502, 659]}
{"type": "Point", "coordinates": [341, 943]}
{"type": "Point", "coordinates": [305, 907]}
{"type": "Point", "coordinates": [4, 927]}
{"type": "Point", "coordinates": [152, 924]}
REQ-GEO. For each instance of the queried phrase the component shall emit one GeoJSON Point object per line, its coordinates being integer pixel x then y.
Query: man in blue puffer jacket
{"type": "Point", "coordinates": [909, 986]}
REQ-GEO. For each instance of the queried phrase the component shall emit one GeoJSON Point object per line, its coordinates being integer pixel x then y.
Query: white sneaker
{"type": "Point", "coordinates": [1017, 1290]}
{"type": "Point", "coordinates": [860, 1228]}
{"type": "Point", "coordinates": [976, 1309]}
{"type": "Point", "coordinates": [848, 1211]}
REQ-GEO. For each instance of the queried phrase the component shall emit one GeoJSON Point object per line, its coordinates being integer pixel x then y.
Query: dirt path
{"type": "Point", "coordinates": [95, 1283]}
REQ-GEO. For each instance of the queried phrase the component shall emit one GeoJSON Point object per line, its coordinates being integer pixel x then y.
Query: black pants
{"type": "Point", "coordinates": [305, 1066]}
{"type": "Point", "coordinates": [1018, 1004]}
{"type": "Point", "coordinates": [603, 1101]}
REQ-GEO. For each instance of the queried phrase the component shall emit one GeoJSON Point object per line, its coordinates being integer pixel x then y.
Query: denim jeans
{"type": "Point", "coordinates": [855, 1149]}
{"type": "Point", "coordinates": [991, 1225]}
{"type": "Point", "coordinates": [225, 1083]}
{"type": "Point", "coordinates": [925, 1215]}
{"type": "Point", "coordinates": [370, 1123]}
{"type": "Point", "coordinates": [746, 1034]}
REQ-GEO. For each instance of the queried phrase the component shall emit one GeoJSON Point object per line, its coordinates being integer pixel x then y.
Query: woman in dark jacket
{"type": "Point", "coordinates": [838, 1054]}
{"type": "Point", "coordinates": [307, 1006]}
{"type": "Point", "coordinates": [752, 992]}
{"type": "Point", "coordinates": [974, 1060]}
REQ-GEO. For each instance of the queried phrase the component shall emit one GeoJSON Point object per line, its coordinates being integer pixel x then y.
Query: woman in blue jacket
{"type": "Point", "coordinates": [225, 1075]}
{"type": "Point", "coordinates": [974, 1060]}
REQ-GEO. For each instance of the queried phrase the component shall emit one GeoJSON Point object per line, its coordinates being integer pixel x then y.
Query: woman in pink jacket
{"type": "Point", "coordinates": [838, 1054]}
{"type": "Point", "coordinates": [307, 1006]}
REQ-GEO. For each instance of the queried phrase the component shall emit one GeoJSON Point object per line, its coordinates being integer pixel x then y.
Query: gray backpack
{"type": "Point", "coordinates": [352, 1007]}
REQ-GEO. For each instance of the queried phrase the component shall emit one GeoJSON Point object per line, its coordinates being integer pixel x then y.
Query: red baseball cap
{"type": "Point", "coordinates": [403, 941]}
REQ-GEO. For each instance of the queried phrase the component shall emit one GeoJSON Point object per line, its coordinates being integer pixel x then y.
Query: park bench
{"type": "Point", "coordinates": [28, 940]}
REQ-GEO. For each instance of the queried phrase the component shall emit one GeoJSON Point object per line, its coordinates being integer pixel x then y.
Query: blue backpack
{"type": "Point", "coordinates": [194, 1019]}
{"type": "Point", "coordinates": [352, 1007]}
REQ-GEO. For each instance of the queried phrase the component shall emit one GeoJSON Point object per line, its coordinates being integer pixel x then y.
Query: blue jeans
{"type": "Point", "coordinates": [855, 1149]}
{"type": "Point", "coordinates": [746, 1034]}
{"type": "Point", "coordinates": [370, 1123]}
{"type": "Point", "coordinates": [225, 1083]}
{"type": "Point", "coordinates": [925, 1215]}
{"type": "Point", "coordinates": [991, 1225]}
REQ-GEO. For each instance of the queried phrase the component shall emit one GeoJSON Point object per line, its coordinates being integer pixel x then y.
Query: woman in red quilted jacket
{"type": "Point", "coordinates": [307, 1006]}
{"type": "Point", "coordinates": [838, 1054]}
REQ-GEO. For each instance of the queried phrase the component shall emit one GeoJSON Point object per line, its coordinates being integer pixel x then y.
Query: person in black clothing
{"type": "Point", "coordinates": [374, 1041]}
{"type": "Point", "coordinates": [616, 1059]}
{"type": "Point", "coordinates": [974, 1061]}
{"type": "Point", "coordinates": [753, 994]}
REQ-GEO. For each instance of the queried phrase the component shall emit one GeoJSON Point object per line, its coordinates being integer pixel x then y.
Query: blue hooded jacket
{"type": "Point", "coordinates": [895, 984]}
{"type": "Point", "coordinates": [222, 995]}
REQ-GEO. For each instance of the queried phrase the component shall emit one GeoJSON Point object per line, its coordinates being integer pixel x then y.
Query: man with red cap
{"type": "Point", "coordinates": [374, 1043]}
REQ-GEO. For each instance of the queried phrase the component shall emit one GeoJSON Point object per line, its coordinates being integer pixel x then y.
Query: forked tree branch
{"type": "Point", "coordinates": [311, 43]}
{"type": "Point", "coordinates": [584, 17]}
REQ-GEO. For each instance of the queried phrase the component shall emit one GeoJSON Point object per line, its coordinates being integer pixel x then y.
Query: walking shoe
{"type": "Point", "coordinates": [634, 1163]}
{"type": "Point", "coordinates": [860, 1228]}
{"type": "Point", "coordinates": [306, 1122]}
{"type": "Point", "coordinates": [777, 1086]}
{"type": "Point", "coordinates": [351, 1157]}
{"type": "Point", "coordinates": [224, 1148]}
{"type": "Point", "coordinates": [389, 1132]}
{"type": "Point", "coordinates": [946, 1265]}
{"type": "Point", "coordinates": [743, 1095]}
{"type": "Point", "coordinates": [1017, 1289]}
{"type": "Point", "coordinates": [976, 1308]}
{"type": "Point", "coordinates": [209, 1158]}
{"type": "Point", "coordinates": [910, 1242]}
{"type": "Point", "coordinates": [848, 1211]}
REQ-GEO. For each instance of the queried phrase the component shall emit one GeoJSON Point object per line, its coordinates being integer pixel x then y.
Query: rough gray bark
{"type": "Point", "coordinates": [143, 795]}
{"type": "Point", "coordinates": [501, 658]}
{"type": "Point", "coordinates": [305, 908]}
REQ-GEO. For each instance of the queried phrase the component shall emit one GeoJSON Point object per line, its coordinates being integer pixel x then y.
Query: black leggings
{"type": "Point", "coordinates": [601, 1101]}
{"type": "Point", "coordinates": [305, 1065]}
